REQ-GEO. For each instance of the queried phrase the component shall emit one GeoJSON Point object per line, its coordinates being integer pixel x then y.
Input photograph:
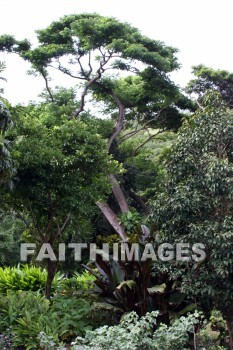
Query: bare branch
{"type": "Point", "coordinates": [60, 230]}
{"type": "Point", "coordinates": [81, 67]}
{"type": "Point", "coordinates": [89, 64]}
{"type": "Point", "coordinates": [145, 142]}
{"type": "Point", "coordinates": [66, 222]}
{"type": "Point", "coordinates": [134, 132]}
{"type": "Point", "coordinates": [66, 71]}
{"type": "Point", "coordinates": [89, 83]}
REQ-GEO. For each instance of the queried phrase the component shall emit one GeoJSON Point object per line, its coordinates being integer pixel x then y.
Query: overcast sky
{"type": "Point", "coordinates": [202, 31]}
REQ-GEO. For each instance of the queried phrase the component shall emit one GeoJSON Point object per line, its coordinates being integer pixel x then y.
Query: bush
{"type": "Point", "coordinates": [28, 313]}
{"type": "Point", "coordinates": [25, 278]}
{"type": "Point", "coordinates": [79, 282]}
{"type": "Point", "coordinates": [134, 334]}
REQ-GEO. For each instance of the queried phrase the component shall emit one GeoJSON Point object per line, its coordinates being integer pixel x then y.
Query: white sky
{"type": "Point", "coordinates": [202, 31]}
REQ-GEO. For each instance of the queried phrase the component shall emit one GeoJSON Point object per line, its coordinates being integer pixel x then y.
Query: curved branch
{"type": "Point", "coordinates": [44, 75]}
{"type": "Point", "coordinates": [89, 83]}
{"type": "Point", "coordinates": [145, 142]}
{"type": "Point", "coordinates": [134, 132]}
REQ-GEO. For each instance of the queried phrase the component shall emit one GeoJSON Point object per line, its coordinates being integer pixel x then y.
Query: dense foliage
{"type": "Point", "coordinates": [139, 167]}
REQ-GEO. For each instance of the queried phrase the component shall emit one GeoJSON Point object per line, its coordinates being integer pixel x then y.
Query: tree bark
{"type": "Point", "coordinates": [229, 322]}
{"type": "Point", "coordinates": [118, 193]}
{"type": "Point", "coordinates": [112, 219]}
{"type": "Point", "coordinates": [51, 269]}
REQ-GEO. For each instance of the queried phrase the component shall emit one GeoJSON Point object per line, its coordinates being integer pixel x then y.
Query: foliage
{"type": "Point", "coordinates": [131, 220]}
{"type": "Point", "coordinates": [126, 282]}
{"type": "Point", "coordinates": [29, 313]}
{"type": "Point", "coordinates": [6, 164]}
{"type": "Point", "coordinates": [196, 205]}
{"type": "Point", "coordinates": [94, 45]}
{"type": "Point", "coordinates": [133, 286]}
{"type": "Point", "coordinates": [68, 158]}
{"type": "Point", "coordinates": [78, 282]}
{"type": "Point", "coordinates": [11, 229]}
{"type": "Point", "coordinates": [25, 278]}
{"type": "Point", "coordinates": [206, 79]}
{"type": "Point", "coordinates": [142, 154]}
{"type": "Point", "coordinates": [2, 67]}
{"type": "Point", "coordinates": [62, 166]}
{"type": "Point", "coordinates": [134, 333]}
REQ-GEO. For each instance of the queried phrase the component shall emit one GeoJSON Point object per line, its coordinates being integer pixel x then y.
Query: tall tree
{"type": "Point", "coordinates": [120, 67]}
{"type": "Point", "coordinates": [197, 202]}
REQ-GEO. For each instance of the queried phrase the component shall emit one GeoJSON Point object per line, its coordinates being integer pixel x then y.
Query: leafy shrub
{"type": "Point", "coordinates": [134, 334]}
{"type": "Point", "coordinates": [24, 278]}
{"type": "Point", "coordinates": [80, 281]}
{"type": "Point", "coordinates": [84, 280]}
{"type": "Point", "coordinates": [29, 313]}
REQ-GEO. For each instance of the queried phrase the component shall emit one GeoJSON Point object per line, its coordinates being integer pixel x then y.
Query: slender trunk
{"type": "Point", "coordinates": [112, 219]}
{"type": "Point", "coordinates": [118, 193]}
{"type": "Point", "coordinates": [229, 321]}
{"type": "Point", "coordinates": [51, 269]}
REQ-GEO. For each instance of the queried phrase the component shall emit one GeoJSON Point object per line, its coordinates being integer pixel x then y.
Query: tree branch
{"type": "Point", "coordinates": [112, 219]}
{"type": "Point", "coordinates": [118, 193]}
{"type": "Point", "coordinates": [120, 120]}
{"type": "Point", "coordinates": [134, 132]}
{"type": "Point", "coordinates": [44, 75]}
{"type": "Point", "coordinates": [89, 83]}
{"type": "Point", "coordinates": [60, 230]}
{"type": "Point", "coordinates": [145, 142]}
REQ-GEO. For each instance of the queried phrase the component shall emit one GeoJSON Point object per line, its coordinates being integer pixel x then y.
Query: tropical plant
{"type": "Point", "coordinates": [27, 314]}
{"type": "Point", "coordinates": [25, 278]}
{"type": "Point", "coordinates": [138, 286]}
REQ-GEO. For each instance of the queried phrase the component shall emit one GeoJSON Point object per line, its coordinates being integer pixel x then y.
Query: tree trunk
{"type": "Point", "coordinates": [112, 219]}
{"type": "Point", "coordinates": [118, 193]}
{"type": "Point", "coordinates": [51, 269]}
{"type": "Point", "coordinates": [140, 201]}
{"type": "Point", "coordinates": [229, 322]}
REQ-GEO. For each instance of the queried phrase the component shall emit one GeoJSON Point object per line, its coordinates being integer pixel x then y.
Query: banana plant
{"type": "Point", "coordinates": [133, 286]}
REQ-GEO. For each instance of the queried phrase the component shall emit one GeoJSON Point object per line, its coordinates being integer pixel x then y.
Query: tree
{"type": "Point", "coordinates": [61, 171]}
{"type": "Point", "coordinates": [196, 205]}
{"type": "Point", "coordinates": [99, 52]}
{"type": "Point", "coordinates": [209, 79]}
